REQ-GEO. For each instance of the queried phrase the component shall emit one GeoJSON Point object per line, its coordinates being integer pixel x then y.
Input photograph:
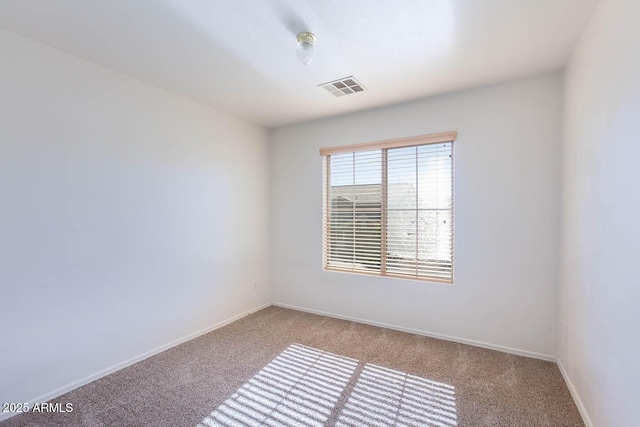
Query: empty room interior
{"type": "Point", "coordinates": [318, 213]}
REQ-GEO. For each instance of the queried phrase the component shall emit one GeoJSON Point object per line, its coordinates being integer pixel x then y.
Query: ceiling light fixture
{"type": "Point", "coordinates": [306, 47]}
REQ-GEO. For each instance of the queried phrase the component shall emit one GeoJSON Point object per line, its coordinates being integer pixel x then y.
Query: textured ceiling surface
{"type": "Point", "coordinates": [239, 55]}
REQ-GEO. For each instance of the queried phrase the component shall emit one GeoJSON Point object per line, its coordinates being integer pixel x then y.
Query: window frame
{"type": "Point", "coordinates": [414, 141]}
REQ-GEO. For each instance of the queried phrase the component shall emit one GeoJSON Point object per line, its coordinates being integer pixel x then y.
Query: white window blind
{"type": "Point", "coordinates": [388, 208]}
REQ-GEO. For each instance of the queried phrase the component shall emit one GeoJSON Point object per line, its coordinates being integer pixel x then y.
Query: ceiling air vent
{"type": "Point", "coordinates": [343, 86]}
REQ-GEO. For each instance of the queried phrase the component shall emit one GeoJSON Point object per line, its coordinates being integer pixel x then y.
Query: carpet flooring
{"type": "Point", "coordinates": [281, 367]}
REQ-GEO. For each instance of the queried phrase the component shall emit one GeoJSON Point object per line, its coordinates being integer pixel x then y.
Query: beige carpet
{"type": "Point", "coordinates": [282, 367]}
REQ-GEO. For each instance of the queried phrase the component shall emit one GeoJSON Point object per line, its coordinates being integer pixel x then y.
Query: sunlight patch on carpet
{"type": "Point", "coordinates": [300, 387]}
{"type": "Point", "coordinates": [304, 386]}
{"type": "Point", "coordinates": [385, 397]}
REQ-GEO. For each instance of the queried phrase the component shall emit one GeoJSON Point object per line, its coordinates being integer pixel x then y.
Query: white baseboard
{"type": "Point", "coordinates": [79, 383]}
{"type": "Point", "coordinates": [574, 393]}
{"type": "Point", "coordinates": [503, 349]}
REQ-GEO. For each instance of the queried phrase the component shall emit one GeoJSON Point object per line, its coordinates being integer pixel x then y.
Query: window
{"type": "Point", "coordinates": [388, 208]}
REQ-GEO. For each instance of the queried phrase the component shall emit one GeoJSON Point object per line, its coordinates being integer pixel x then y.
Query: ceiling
{"type": "Point", "coordinates": [239, 55]}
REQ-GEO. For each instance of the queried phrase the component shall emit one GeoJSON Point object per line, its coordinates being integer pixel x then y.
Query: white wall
{"type": "Point", "coordinates": [599, 339]}
{"type": "Point", "coordinates": [129, 218]}
{"type": "Point", "coordinates": [507, 195]}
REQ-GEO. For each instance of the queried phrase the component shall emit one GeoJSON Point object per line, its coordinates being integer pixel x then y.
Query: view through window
{"type": "Point", "coordinates": [389, 208]}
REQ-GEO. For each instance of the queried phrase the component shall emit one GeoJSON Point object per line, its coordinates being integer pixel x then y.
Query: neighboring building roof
{"type": "Point", "coordinates": [365, 194]}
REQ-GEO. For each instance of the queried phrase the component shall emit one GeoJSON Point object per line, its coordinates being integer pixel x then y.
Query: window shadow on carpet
{"type": "Point", "coordinates": [304, 386]}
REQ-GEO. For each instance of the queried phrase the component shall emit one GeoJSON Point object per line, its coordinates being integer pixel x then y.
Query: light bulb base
{"type": "Point", "coordinates": [306, 37]}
